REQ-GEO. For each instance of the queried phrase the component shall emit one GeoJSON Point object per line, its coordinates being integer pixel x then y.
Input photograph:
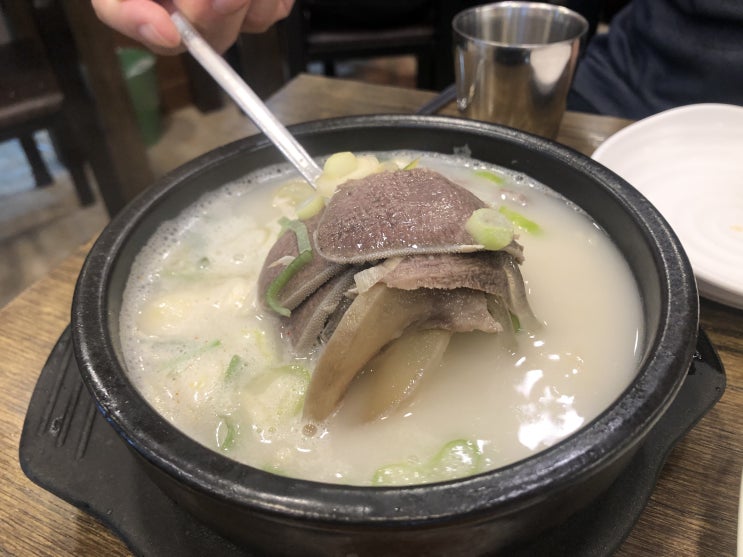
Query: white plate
{"type": "Point", "coordinates": [688, 162]}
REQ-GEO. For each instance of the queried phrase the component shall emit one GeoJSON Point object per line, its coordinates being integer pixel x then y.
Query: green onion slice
{"type": "Point", "coordinates": [226, 433]}
{"type": "Point", "coordinates": [233, 368]}
{"type": "Point", "coordinates": [492, 176]}
{"type": "Point", "coordinates": [412, 164]}
{"type": "Point", "coordinates": [305, 256]}
{"type": "Point", "coordinates": [490, 228]}
{"type": "Point", "coordinates": [310, 207]}
{"type": "Point", "coordinates": [520, 220]}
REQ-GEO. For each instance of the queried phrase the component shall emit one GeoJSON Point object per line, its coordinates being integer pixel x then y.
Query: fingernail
{"type": "Point", "coordinates": [227, 7]}
{"type": "Point", "coordinates": [151, 35]}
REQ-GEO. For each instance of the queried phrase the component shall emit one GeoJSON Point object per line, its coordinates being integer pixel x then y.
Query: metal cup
{"type": "Point", "coordinates": [514, 62]}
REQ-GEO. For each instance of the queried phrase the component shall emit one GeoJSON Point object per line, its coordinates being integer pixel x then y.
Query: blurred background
{"type": "Point", "coordinates": [88, 119]}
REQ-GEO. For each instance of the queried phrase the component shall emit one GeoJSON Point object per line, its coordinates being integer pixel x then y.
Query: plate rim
{"type": "Point", "coordinates": [721, 290]}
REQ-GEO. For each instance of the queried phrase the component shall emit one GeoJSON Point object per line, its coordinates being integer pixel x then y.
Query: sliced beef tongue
{"type": "Point", "coordinates": [396, 213]}
{"type": "Point", "coordinates": [440, 280]}
{"type": "Point", "coordinates": [313, 318]}
{"type": "Point", "coordinates": [447, 292]}
{"type": "Point", "coordinates": [309, 278]}
{"type": "Point", "coordinates": [492, 272]}
{"type": "Point", "coordinates": [479, 271]}
{"type": "Point", "coordinates": [377, 317]}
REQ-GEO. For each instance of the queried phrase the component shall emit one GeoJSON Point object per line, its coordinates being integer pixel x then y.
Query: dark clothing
{"type": "Point", "coordinates": [660, 54]}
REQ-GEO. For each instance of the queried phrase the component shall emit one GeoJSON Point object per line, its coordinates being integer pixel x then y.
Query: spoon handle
{"type": "Point", "coordinates": [246, 99]}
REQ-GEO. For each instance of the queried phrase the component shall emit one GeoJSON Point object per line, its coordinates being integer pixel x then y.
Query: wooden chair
{"type": "Point", "coordinates": [31, 100]}
{"type": "Point", "coordinates": [98, 123]}
{"type": "Point", "coordinates": [333, 30]}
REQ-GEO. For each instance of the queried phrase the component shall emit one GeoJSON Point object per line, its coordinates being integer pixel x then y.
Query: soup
{"type": "Point", "coordinates": [208, 355]}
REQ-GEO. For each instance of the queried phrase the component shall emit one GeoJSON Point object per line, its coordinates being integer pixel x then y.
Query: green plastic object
{"type": "Point", "coordinates": [138, 68]}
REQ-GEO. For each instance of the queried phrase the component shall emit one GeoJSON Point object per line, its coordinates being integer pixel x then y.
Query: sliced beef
{"type": "Point", "coordinates": [377, 317]}
{"type": "Point", "coordinates": [310, 320]}
{"type": "Point", "coordinates": [396, 213]}
{"type": "Point", "coordinates": [479, 271]}
{"type": "Point", "coordinates": [492, 272]}
{"type": "Point", "coordinates": [308, 279]}
{"type": "Point", "coordinates": [443, 282]}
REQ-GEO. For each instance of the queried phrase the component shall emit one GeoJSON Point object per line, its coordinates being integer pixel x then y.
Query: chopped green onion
{"type": "Point", "coordinates": [301, 376]}
{"type": "Point", "coordinates": [490, 228]}
{"type": "Point", "coordinates": [272, 292]}
{"type": "Point", "coordinates": [515, 322]}
{"type": "Point", "coordinates": [310, 207]}
{"type": "Point", "coordinates": [175, 365]}
{"type": "Point", "coordinates": [455, 459]}
{"type": "Point", "coordinates": [298, 370]}
{"type": "Point", "coordinates": [277, 394]}
{"type": "Point", "coordinates": [492, 176]}
{"type": "Point", "coordinates": [293, 192]}
{"type": "Point", "coordinates": [412, 164]}
{"type": "Point", "coordinates": [226, 433]}
{"type": "Point", "coordinates": [340, 164]}
{"type": "Point", "coordinates": [305, 256]}
{"type": "Point", "coordinates": [235, 365]}
{"type": "Point", "coordinates": [520, 220]}
{"type": "Point", "coordinates": [300, 231]}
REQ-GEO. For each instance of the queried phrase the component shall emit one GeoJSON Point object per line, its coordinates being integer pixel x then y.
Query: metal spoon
{"type": "Point", "coordinates": [246, 99]}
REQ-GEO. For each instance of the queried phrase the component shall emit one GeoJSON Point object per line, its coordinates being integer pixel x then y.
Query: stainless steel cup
{"type": "Point", "coordinates": [514, 62]}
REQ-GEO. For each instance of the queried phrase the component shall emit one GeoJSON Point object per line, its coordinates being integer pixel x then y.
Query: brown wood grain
{"type": "Point", "coordinates": [126, 150]}
{"type": "Point", "coordinates": [309, 97]}
{"type": "Point", "coordinates": [33, 521]}
{"type": "Point", "coordinates": [692, 512]}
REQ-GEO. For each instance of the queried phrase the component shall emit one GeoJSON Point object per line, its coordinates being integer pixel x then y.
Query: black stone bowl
{"type": "Point", "coordinates": [475, 515]}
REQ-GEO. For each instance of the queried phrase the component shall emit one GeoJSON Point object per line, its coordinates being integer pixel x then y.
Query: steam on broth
{"type": "Point", "coordinates": [210, 357]}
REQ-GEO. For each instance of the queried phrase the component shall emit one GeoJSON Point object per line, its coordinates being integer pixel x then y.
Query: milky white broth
{"type": "Point", "coordinates": [190, 310]}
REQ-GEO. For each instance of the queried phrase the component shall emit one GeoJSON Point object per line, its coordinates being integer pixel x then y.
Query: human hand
{"type": "Point", "coordinates": [219, 21]}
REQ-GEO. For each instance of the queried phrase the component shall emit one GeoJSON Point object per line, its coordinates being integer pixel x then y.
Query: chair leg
{"type": "Point", "coordinates": [425, 71]}
{"type": "Point", "coordinates": [73, 158]}
{"type": "Point", "coordinates": [328, 67]}
{"type": "Point", "coordinates": [292, 35]}
{"type": "Point", "coordinates": [35, 160]}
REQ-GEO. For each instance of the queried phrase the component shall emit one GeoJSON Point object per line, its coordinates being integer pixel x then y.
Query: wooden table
{"type": "Point", "coordinates": [692, 511]}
